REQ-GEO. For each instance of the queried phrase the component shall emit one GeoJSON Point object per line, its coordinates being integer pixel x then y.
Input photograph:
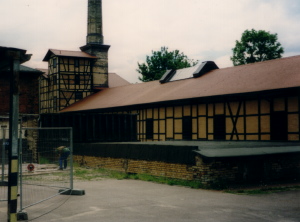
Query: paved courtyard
{"type": "Point", "coordinates": [131, 200]}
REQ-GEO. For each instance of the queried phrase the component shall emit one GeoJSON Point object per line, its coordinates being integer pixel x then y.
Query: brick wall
{"type": "Point", "coordinates": [28, 98]}
{"type": "Point", "coordinates": [155, 168]}
{"type": "Point", "coordinates": [241, 170]}
{"type": "Point", "coordinates": [210, 172]}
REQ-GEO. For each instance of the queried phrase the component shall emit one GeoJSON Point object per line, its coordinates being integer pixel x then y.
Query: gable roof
{"type": "Point", "coordinates": [269, 75]}
{"type": "Point", "coordinates": [114, 80]}
{"type": "Point", "coordinates": [67, 53]}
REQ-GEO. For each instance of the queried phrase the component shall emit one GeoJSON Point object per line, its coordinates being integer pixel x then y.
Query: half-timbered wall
{"type": "Point", "coordinates": [274, 118]}
{"type": "Point", "coordinates": [69, 80]}
{"type": "Point", "coordinates": [260, 117]}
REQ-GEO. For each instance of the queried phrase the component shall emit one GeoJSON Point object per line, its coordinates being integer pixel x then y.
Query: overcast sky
{"type": "Point", "coordinates": [201, 29]}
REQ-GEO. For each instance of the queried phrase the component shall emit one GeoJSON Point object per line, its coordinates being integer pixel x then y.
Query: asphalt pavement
{"type": "Point", "coordinates": [112, 200]}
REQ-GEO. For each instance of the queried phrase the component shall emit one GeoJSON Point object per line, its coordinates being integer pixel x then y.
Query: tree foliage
{"type": "Point", "coordinates": [256, 46]}
{"type": "Point", "coordinates": [160, 61]}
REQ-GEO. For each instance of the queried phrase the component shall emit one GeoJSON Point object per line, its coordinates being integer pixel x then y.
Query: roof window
{"type": "Point", "coordinates": [190, 72]}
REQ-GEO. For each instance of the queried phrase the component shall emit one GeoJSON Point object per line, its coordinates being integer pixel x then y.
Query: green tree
{"type": "Point", "coordinates": [256, 46]}
{"type": "Point", "coordinates": [160, 61]}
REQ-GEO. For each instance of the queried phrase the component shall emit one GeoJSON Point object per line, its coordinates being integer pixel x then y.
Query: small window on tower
{"type": "Point", "coordinates": [76, 63]}
{"type": "Point", "coordinates": [54, 80]}
{"type": "Point", "coordinates": [54, 63]}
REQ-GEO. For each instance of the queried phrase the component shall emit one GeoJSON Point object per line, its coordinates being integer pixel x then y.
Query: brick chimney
{"type": "Point", "coordinates": [94, 44]}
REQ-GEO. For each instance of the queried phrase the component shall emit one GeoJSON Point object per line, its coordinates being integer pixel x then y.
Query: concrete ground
{"type": "Point", "coordinates": [131, 200]}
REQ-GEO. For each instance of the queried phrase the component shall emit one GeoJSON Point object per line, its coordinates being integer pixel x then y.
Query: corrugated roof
{"type": "Point", "coordinates": [268, 75]}
{"type": "Point", "coordinates": [239, 152]}
{"type": "Point", "coordinates": [67, 53]}
{"type": "Point", "coordinates": [223, 149]}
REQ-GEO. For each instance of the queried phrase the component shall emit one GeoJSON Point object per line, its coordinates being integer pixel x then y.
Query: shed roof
{"type": "Point", "coordinates": [241, 151]}
{"type": "Point", "coordinates": [67, 53]}
{"type": "Point", "coordinates": [269, 75]}
{"type": "Point", "coordinates": [225, 149]}
{"type": "Point", "coordinates": [7, 53]}
{"type": "Point", "coordinates": [26, 69]}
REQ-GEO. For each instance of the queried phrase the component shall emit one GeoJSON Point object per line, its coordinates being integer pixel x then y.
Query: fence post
{"type": "Point", "coordinates": [71, 159]}
{"type": "Point", "coordinates": [21, 170]}
{"type": "Point", "coordinates": [3, 154]}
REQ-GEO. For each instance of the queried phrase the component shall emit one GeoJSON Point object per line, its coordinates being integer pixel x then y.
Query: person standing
{"type": "Point", "coordinates": [63, 153]}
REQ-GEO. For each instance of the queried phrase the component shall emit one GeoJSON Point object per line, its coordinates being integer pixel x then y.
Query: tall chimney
{"type": "Point", "coordinates": [94, 29]}
{"type": "Point", "coordinates": [94, 44]}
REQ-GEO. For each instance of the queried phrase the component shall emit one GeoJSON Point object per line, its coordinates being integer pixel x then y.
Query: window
{"type": "Point", "coordinates": [77, 79]}
{"type": "Point", "coordinates": [54, 63]}
{"type": "Point", "coordinates": [149, 129]}
{"type": "Point", "coordinates": [76, 63]}
{"type": "Point", "coordinates": [54, 80]}
{"type": "Point", "coordinates": [78, 95]}
{"type": "Point", "coordinates": [187, 128]}
{"type": "Point", "coordinates": [279, 126]}
{"type": "Point", "coordinates": [219, 127]}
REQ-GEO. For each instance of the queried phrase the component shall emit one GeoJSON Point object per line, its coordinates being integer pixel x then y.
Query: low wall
{"type": "Point", "coordinates": [191, 166]}
{"type": "Point", "coordinates": [155, 168]}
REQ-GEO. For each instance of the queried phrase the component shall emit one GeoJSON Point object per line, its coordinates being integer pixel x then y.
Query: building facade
{"type": "Point", "coordinates": [74, 75]}
{"type": "Point", "coordinates": [252, 102]}
{"type": "Point", "coordinates": [28, 97]}
{"type": "Point", "coordinates": [69, 79]}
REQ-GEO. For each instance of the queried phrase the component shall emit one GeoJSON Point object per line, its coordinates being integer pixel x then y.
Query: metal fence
{"type": "Point", "coordinates": [46, 168]}
{"type": "Point", "coordinates": [42, 154]}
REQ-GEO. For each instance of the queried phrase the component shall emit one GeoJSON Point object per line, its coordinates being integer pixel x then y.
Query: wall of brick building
{"type": "Point", "coordinates": [28, 98]}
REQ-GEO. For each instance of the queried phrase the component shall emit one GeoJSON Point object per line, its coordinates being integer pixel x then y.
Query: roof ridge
{"type": "Point", "coordinates": [66, 50]}
{"type": "Point", "coordinates": [266, 61]}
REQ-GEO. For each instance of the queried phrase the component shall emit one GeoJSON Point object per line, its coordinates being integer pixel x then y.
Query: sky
{"type": "Point", "coordinates": [201, 29]}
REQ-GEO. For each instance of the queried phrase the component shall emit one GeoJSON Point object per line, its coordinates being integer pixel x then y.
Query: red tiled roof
{"type": "Point", "coordinates": [67, 53]}
{"type": "Point", "coordinates": [268, 75]}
